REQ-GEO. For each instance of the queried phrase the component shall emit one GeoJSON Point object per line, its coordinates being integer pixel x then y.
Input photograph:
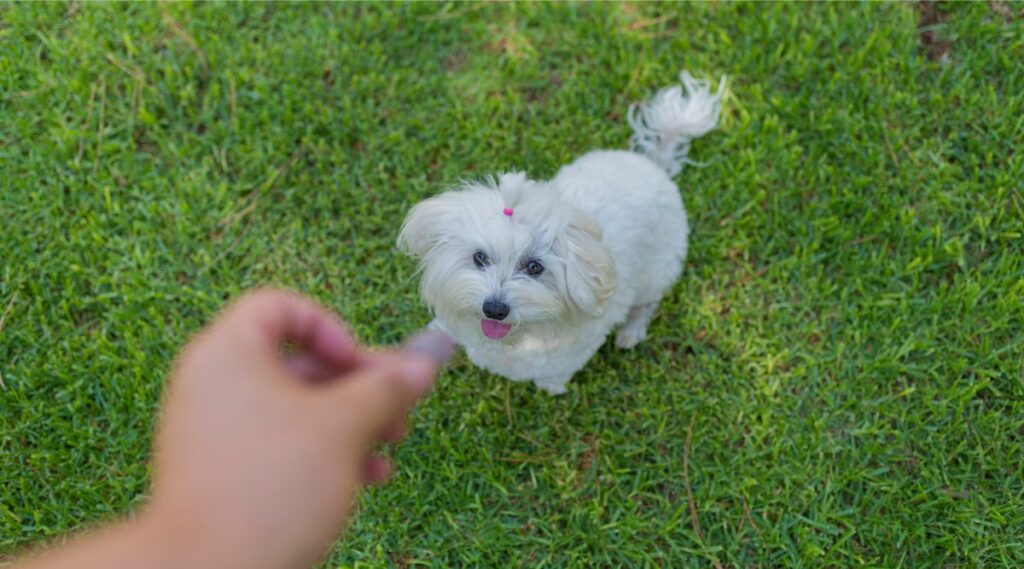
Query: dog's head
{"type": "Point", "coordinates": [504, 257]}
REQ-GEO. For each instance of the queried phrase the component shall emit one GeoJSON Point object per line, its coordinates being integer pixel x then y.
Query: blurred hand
{"type": "Point", "coordinates": [268, 427]}
{"type": "Point", "coordinates": [266, 435]}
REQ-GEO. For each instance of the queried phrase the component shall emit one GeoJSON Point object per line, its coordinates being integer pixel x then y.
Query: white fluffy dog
{"type": "Point", "coordinates": [531, 276]}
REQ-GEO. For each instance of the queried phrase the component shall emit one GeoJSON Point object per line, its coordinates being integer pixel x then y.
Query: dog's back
{"type": "Point", "coordinates": [641, 216]}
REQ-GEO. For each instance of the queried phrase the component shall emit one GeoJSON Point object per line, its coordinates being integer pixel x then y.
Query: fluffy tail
{"type": "Point", "coordinates": [664, 126]}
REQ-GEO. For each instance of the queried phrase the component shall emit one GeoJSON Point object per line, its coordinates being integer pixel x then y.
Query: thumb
{"type": "Point", "coordinates": [377, 395]}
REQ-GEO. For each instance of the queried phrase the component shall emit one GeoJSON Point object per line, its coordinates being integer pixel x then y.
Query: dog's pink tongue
{"type": "Point", "coordinates": [494, 330]}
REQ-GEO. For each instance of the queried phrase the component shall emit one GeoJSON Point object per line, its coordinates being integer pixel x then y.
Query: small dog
{"type": "Point", "coordinates": [531, 276]}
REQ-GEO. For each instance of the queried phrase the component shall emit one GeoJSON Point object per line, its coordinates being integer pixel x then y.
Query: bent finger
{"type": "Point", "coordinates": [377, 470]}
{"type": "Point", "coordinates": [273, 317]}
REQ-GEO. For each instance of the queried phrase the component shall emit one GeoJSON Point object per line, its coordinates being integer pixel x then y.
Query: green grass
{"type": "Point", "coordinates": [846, 342]}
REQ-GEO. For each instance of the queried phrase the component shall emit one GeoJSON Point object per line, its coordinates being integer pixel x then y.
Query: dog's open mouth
{"type": "Point", "coordinates": [493, 329]}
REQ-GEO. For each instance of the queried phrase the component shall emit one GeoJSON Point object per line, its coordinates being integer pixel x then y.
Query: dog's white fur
{"type": "Point", "coordinates": [609, 229]}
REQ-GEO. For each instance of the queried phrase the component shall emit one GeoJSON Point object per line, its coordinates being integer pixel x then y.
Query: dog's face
{"type": "Point", "coordinates": [490, 275]}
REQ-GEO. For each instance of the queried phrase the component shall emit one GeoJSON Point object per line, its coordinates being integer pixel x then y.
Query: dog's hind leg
{"type": "Point", "coordinates": [634, 329]}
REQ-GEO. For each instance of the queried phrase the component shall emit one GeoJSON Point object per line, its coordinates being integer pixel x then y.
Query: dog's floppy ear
{"type": "Point", "coordinates": [426, 226]}
{"type": "Point", "coordinates": [590, 276]}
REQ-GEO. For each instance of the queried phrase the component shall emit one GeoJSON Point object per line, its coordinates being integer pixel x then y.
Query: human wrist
{"type": "Point", "coordinates": [174, 539]}
{"type": "Point", "coordinates": [140, 541]}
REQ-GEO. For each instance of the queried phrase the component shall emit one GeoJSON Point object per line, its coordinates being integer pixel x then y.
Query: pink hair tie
{"type": "Point", "coordinates": [507, 211]}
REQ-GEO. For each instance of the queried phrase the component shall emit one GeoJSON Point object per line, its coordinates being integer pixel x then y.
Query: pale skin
{"type": "Point", "coordinates": [260, 454]}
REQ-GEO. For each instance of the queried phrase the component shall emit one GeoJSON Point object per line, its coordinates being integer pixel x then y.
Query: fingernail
{"type": "Point", "coordinates": [433, 344]}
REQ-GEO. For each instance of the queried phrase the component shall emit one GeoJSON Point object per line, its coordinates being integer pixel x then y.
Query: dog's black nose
{"type": "Point", "coordinates": [495, 310]}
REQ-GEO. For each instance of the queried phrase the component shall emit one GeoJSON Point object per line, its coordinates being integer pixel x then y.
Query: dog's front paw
{"type": "Point", "coordinates": [552, 387]}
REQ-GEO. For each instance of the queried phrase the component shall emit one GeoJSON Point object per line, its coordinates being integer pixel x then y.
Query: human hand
{"type": "Point", "coordinates": [259, 455]}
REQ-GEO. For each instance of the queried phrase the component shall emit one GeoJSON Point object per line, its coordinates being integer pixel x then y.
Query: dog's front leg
{"type": "Point", "coordinates": [436, 326]}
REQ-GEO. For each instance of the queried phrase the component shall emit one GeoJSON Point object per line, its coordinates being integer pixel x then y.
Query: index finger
{"type": "Point", "coordinates": [272, 317]}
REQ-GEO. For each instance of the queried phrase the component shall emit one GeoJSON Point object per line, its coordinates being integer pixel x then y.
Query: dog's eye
{"type": "Point", "coordinates": [533, 268]}
{"type": "Point", "coordinates": [480, 259]}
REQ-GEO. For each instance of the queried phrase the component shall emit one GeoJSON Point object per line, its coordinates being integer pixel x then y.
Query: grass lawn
{"type": "Point", "coordinates": [845, 347]}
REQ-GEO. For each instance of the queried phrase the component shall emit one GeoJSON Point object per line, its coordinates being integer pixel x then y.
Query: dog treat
{"type": "Point", "coordinates": [434, 344]}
